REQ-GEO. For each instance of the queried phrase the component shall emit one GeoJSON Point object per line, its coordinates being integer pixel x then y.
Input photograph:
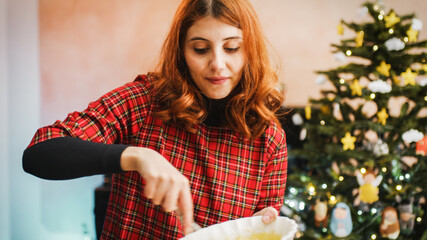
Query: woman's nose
{"type": "Point", "coordinates": [217, 61]}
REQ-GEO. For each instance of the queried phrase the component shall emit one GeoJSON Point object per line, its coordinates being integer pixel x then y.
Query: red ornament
{"type": "Point", "coordinates": [421, 146]}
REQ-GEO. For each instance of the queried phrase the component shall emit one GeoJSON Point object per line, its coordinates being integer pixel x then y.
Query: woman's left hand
{"type": "Point", "coordinates": [268, 214]}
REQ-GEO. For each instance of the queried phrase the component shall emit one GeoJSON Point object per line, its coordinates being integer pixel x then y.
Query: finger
{"type": "Point", "coordinates": [270, 214]}
{"type": "Point", "coordinates": [163, 185]}
{"type": "Point", "coordinates": [185, 204]}
{"type": "Point", "coordinates": [170, 202]}
{"type": "Point", "coordinates": [150, 186]}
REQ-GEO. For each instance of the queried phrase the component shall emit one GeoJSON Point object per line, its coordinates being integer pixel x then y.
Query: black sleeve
{"type": "Point", "coordinates": [68, 157]}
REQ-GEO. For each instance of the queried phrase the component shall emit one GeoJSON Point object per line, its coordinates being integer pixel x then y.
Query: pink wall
{"type": "Point", "coordinates": [88, 47]}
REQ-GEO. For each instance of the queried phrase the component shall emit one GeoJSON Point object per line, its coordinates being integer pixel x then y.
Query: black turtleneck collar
{"type": "Point", "coordinates": [215, 111]}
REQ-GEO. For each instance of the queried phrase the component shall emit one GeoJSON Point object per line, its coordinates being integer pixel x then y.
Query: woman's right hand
{"type": "Point", "coordinates": [164, 184]}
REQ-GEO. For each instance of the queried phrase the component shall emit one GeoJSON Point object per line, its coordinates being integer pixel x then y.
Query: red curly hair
{"type": "Point", "coordinates": [252, 104]}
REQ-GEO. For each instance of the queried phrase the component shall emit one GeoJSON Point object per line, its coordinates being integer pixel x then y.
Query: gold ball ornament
{"type": "Point", "coordinates": [325, 109]}
{"type": "Point", "coordinates": [396, 80]}
{"type": "Point", "coordinates": [384, 69]}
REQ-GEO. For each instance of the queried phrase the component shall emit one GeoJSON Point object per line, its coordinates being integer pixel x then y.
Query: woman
{"type": "Point", "coordinates": [198, 136]}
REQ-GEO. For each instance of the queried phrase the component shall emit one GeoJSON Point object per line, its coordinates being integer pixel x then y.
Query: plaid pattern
{"type": "Point", "coordinates": [230, 178]}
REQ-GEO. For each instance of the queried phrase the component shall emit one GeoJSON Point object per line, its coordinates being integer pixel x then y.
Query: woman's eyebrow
{"type": "Point", "coordinates": [198, 38]}
{"type": "Point", "coordinates": [204, 39]}
{"type": "Point", "coordinates": [233, 37]}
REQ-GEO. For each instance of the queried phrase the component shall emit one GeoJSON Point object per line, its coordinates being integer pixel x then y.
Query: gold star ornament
{"type": "Point", "coordinates": [359, 38]}
{"type": "Point", "coordinates": [340, 29]}
{"type": "Point", "coordinates": [356, 89]}
{"type": "Point", "coordinates": [409, 77]}
{"type": "Point", "coordinates": [412, 35]}
{"type": "Point", "coordinates": [391, 20]}
{"type": "Point", "coordinates": [308, 112]}
{"type": "Point", "coordinates": [382, 116]}
{"type": "Point", "coordinates": [348, 141]}
{"type": "Point", "coordinates": [384, 69]}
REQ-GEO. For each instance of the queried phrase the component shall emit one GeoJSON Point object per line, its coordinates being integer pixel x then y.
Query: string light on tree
{"type": "Point", "coordinates": [333, 200]}
{"type": "Point", "coordinates": [311, 189]}
{"type": "Point", "coordinates": [293, 190]}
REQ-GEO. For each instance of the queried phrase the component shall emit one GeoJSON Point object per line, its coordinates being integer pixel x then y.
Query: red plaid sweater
{"type": "Point", "coordinates": [230, 177]}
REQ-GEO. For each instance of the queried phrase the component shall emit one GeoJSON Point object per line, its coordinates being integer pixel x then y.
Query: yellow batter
{"type": "Point", "coordinates": [261, 236]}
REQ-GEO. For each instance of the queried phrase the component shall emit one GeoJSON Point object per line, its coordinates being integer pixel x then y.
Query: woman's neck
{"type": "Point", "coordinates": [215, 111]}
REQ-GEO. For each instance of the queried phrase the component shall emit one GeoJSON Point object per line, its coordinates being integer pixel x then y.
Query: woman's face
{"type": "Point", "coordinates": [214, 55]}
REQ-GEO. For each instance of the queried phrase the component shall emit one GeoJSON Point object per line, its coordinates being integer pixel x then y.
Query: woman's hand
{"type": "Point", "coordinates": [269, 214]}
{"type": "Point", "coordinates": [164, 184]}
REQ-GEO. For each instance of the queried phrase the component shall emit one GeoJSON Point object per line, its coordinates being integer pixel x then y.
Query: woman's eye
{"type": "Point", "coordinates": [232, 50]}
{"type": "Point", "coordinates": [200, 50]}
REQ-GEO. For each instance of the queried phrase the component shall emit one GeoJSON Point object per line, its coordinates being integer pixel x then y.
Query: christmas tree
{"type": "Point", "coordinates": [364, 141]}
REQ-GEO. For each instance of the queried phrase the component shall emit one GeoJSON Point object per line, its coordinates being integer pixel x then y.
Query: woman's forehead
{"type": "Point", "coordinates": [211, 28]}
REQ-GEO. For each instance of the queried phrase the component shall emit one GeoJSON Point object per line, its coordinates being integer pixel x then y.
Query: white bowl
{"type": "Point", "coordinates": [249, 228]}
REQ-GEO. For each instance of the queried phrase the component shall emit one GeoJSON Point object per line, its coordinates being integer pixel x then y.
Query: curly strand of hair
{"type": "Point", "coordinates": [181, 105]}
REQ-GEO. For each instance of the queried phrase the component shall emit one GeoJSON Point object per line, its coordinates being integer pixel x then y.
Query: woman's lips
{"type": "Point", "coordinates": [217, 80]}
